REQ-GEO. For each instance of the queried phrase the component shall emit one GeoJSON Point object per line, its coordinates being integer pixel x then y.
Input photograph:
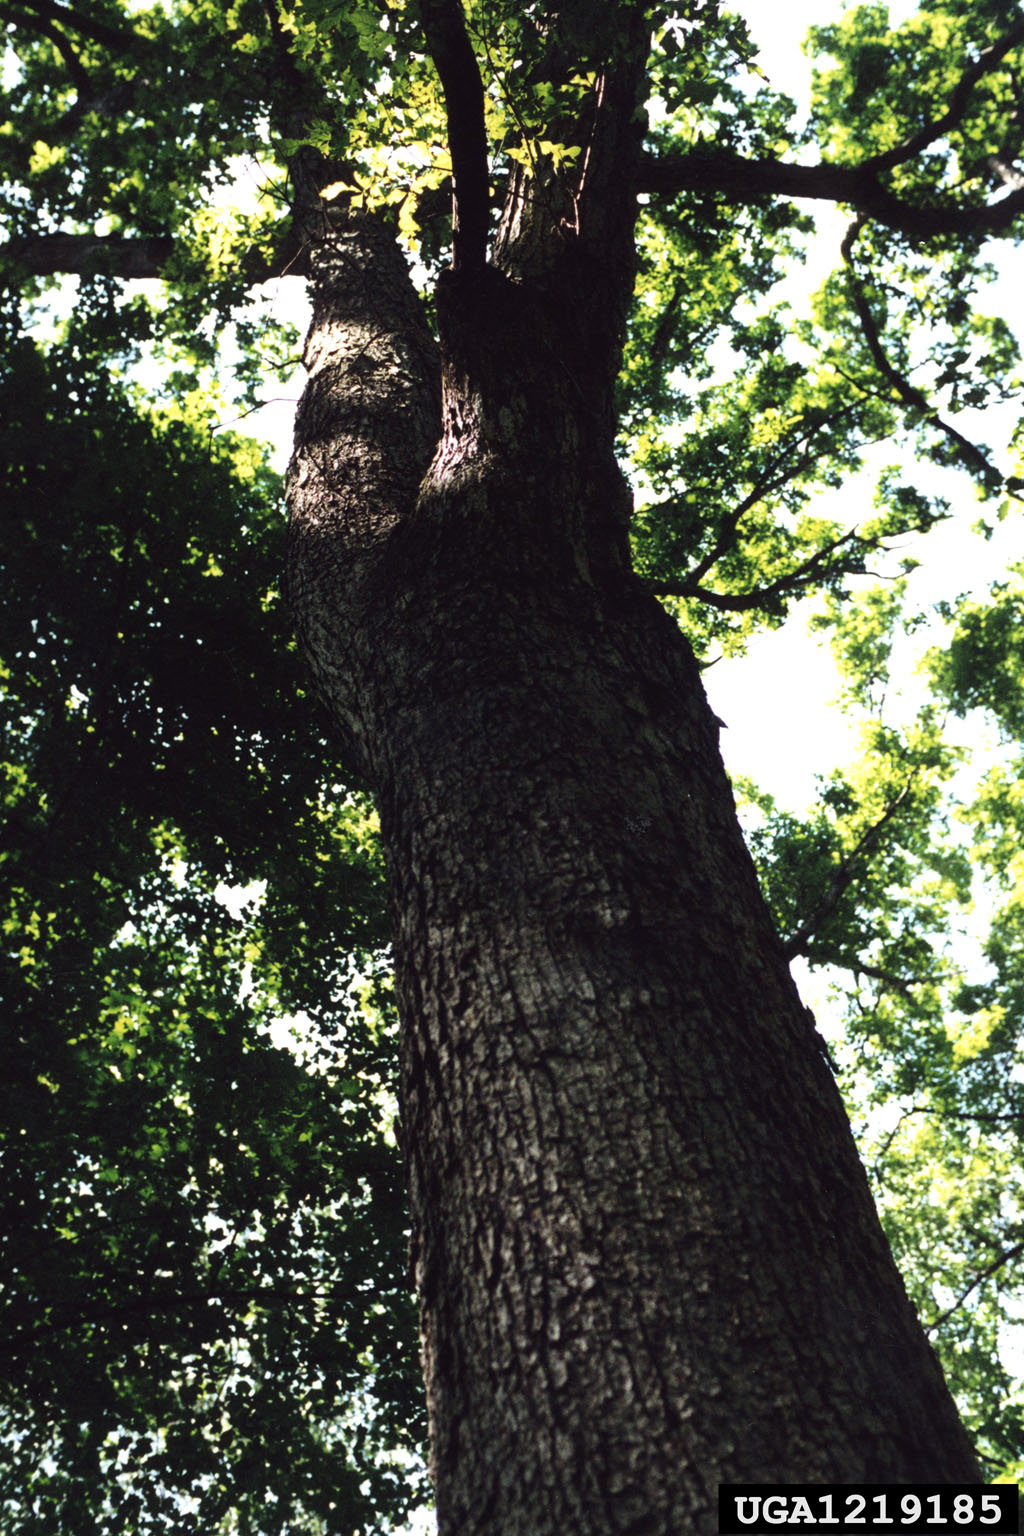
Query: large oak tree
{"type": "Point", "coordinates": [646, 1253]}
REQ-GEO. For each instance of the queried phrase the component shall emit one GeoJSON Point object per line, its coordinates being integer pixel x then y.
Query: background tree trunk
{"type": "Point", "coordinates": [646, 1252]}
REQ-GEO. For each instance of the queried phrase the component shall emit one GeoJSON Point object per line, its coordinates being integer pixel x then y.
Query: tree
{"type": "Point", "coordinates": [646, 1252]}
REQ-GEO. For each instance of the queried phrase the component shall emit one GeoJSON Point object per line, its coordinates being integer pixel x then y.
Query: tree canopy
{"type": "Point", "coordinates": [207, 1320]}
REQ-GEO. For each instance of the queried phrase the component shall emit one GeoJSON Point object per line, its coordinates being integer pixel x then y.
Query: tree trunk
{"type": "Point", "coordinates": [646, 1251]}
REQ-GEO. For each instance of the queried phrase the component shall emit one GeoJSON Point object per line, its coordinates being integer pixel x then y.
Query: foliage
{"type": "Point", "coordinates": [205, 1305]}
{"type": "Point", "coordinates": [207, 1322]}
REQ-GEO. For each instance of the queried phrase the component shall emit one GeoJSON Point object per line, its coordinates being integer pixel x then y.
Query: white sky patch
{"type": "Point", "coordinates": [239, 899]}
{"type": "Point", "coordinates": [10, 70]}
{"type": "Point", "coordinates": [272, 421]}
{"type": "Point", "coordinates": [775, 702]}
{"type": "Point", "coordinates": [779, 32]}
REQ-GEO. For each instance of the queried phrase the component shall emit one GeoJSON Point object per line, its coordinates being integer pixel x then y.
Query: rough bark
{"type": "Point", "coordinates": [645, 1247]}
{"type": "Point", "coordinates": [646, 1252]}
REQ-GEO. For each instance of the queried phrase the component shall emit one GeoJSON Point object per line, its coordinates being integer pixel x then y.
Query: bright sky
{"type": "Point", "coordinates": [779, 31]}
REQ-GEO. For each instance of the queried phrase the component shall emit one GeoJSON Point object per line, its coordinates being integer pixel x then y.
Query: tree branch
{"type": "Point", "coordinates": [814, 566]}
{"type": "Point", "coordinates": [954, 114]}
{"type": "Point", "coordinates": [135, 256]}
{"type": "Point", "coordinates": [76, 69]}
{"type": "Point", "coordinates": [742, 180]}
{"type": "Point", "coordinates": [175, 1301]}
{"type": "Point", "coordinates": [1005, 1257]}
{"type": "Point", "coordinates": [902, 984]}
{"type": "Point", "coordinates": [1007, 173]}
{"type": "Point", "coordinates": [75, 21]}
{"type": "Point", "coordinates": [969, 453]}
{"type": "Point", "coordinates": [742, 602]}
{"type": "Point", "coordinates": [444, 27]}
{"type": "Point", "coordinates": [727, 533]}
{"type": "Point", "coordinates": [666, 322]}
{"type": "Point", "coordinates": [843, 878]}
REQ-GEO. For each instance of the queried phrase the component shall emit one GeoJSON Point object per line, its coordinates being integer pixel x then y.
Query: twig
{"type": "Point", "coordinates": [1004, 1258]}
{"type": "Point", "coordinates": [967, 451]}
{"type": "Point", "coordinates": [843, 878]}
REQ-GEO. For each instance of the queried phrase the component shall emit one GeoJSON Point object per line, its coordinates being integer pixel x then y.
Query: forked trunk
{"type": "Point", "coordinates": [645, 1247]}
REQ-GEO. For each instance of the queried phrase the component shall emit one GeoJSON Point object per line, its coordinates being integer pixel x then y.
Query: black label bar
{"type": "Point", "coordinates": [849, 1509]}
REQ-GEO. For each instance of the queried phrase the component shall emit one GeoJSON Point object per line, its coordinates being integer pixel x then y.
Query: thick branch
{"type": "Point", "coordinates": [134, 257]}
{"type": "Point", "coordinates": [742, 180]}
{"type": "Point", "coordinates": [445, 29]}
{"type": "Point", "coordinates": [904, 985]}
{"type": "Point", "coordinates": [1007, 173]}
{"type": "Point", "coordinates": [858, 186]}
{"type": "Point", "coordinates": [768, 483]}
{"type": "Point", "coordinates": [175, 1301]}
{"type": "Point", "coordinates": [44, 28]}
{"type": "Point", "coordinates": [743, 602]}
{"type": "Point", "coordinates": [111, 255]}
